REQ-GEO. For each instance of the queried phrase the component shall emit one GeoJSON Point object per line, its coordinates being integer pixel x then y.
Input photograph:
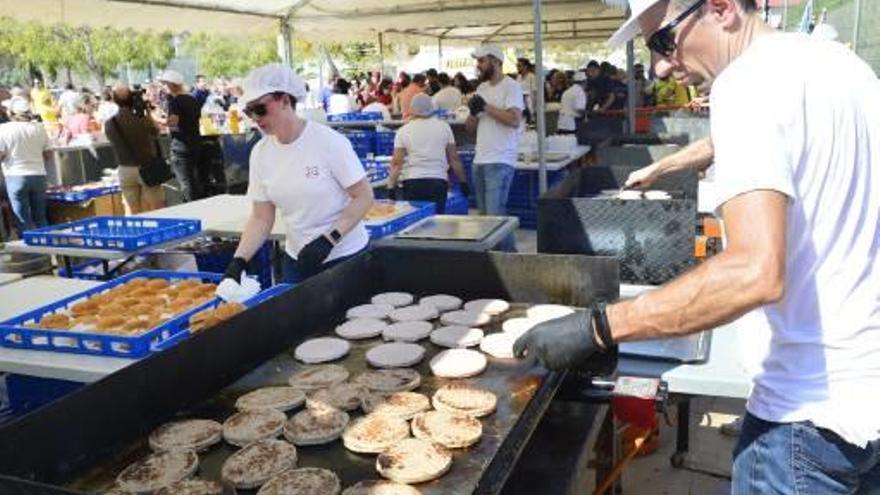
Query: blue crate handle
{"type": "Point", "coordinates": [250, 303]}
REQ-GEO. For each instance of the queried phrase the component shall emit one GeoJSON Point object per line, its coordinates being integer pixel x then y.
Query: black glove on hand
{"type": "Point", "coordinates": [312, 256]}
{"type": "Point", "coordinates": [392, 193]}
{"type": "Point", "coordinates": [476, 105]}
{"type": "Point", "coordinates": [465, 189]}
{"type": "Point", "coordinates": [561, 343]}
{"type": "Point", "coordinates": [235, 268]}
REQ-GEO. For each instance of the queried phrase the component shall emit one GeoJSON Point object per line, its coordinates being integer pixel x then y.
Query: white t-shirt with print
{"type": "Point", "coordinates": [22, 145]}
{"type": "Point", "coordinates": [496, 142]}
{"type": "Point", "coordinates": [307, 181]}
{"type": "Point", "coordinates": [573, 100]}
{"type": "Point", "coordinates": [448, 98]}
{"type": "Point", "coordinates": [779, 124]}
{"type": "Point", "coordinates": [425, 142]}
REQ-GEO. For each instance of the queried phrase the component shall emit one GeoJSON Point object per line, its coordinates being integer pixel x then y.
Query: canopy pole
{"type": "Point", "coordinates": [440, 54]}
{"type": "Point", "coordinates": [381, 54]}
{"type": "Point", "coordinates": [631, 87]}
{"type": "Point", "coordinates": [856, 22]}
{"type": "Point", "coordinates": [540, 105]}
{"type": "Point", "coordinates": [286, 55]}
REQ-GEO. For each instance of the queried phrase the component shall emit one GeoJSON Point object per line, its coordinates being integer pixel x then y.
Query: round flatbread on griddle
{"type": "Point", "coordinates": [303, 481]}
{"type": "Point", "coordinates": [345, 396]}
{"type": "Point", "coordinates": [407, 331]}
{"type": "Point", "coordinates": [188, 434]}
{"type": "Point", "coordinates": [458, 363]}
{"type": "Point", "coordinates": [465, 318]}
{"type": "Point", "coordinates": [395, 355]}
{"type": "Point", "coordinates": [318, 377]}
{"type": "Point", "coordinates": [456, 336]}
{"type": "Point", "coordinates": [321, 350]}
{"type": "Point", "coordinates": [158, 471]}
{"type": "Point", "coordinates": [257, 463]}
{"type": "Point", "coordinates": [390, 380]}
{"type": "Point", "coordinates": [518, 326]}
{"type": "Point", "coordinates": [396, 299]}
{"type": "Point", "coordinates": [278, 398]}
{"type": "Point", "coordinates": [374, 433]}
{"type": "Point", "coordinates": [464, 399]}
{"type": "Point", "coordinates": [491, 307]}
{"type": "Point", "coordinates": [414, 313]}
{"type": "Point", "coordinates": [192, 487]}
{"type": "Point", "coordinates": [451, 430]}
{"type": "Point", "coordinates": [378, 311]}
{"type": "Point", "coordinates": [414, 461]}
{"type": "Point", "coordinates": [251, 426]}
{"type": "Point", "coordinates": [441, 302]}
{"type": "Point", "coordinates": [403, 405]}
{"type": "Point", "coordinates": [540, 313]}
{"type": "Point", "coordinates": [380, 487]}
{"type": "Point", "coordinates": [361, 328]}
{"type": "Point", "coordinates": [499, 345]}
{"type": "Point", "coordinates": [310, 427]}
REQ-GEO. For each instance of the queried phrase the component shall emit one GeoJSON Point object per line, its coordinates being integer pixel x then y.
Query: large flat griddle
{"type": "Point", "coordinates": [453, 228]}
{"type": "Point", "coordinates": [82, 441]}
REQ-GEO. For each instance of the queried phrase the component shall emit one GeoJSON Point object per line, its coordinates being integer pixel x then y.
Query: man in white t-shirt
{"type": "Point", "coordinates": [307, 171]}
{"type": "Point", "coordinates": [449, 97]}
{"type": "Point", "coordinates": [800, 200]}
{"type": "Point", "coordinates": [573, 105]}
{"type": "Point", "coordinates": [525, 76]}
{"type": "Point", "coordinates": [496, 115]}
{"type": "Point", "coordinates": [424, 149]}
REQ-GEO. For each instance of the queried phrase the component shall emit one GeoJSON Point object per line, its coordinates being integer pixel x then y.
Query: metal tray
{"type": "Point", "coordinates": [452, 228]}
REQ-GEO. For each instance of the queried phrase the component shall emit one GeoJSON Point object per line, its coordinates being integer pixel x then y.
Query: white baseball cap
{"type": "Point", "coordinates": [273, 78]}
{"type": "Point", "coordinates": [17, 104]}
{"type": "Point", "coordinates": [490, 50]}
{"type": "Point", "coordinates": [631, 27]}
{"type": "Point", "coordinates": [171, 76]}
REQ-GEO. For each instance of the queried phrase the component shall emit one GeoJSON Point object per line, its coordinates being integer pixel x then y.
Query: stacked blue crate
{"type": "Point", "coordinates": [384, 143]}
{"type": "Point", "coordinates": [522, 202]}
{"type": "Point", "coordinates": [363, 142]}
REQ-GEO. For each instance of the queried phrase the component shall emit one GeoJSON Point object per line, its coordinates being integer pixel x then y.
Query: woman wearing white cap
{"type": "Point", "coordinates": [309, 172]}
{"type": "Point", "coordinates": [183, 124]}
{"type": "Point", "coordinates": [424, 149]}
{"type": "Point", "coordinates": [573, 105]}
{"type": "Point", "coordinates": [22, 144]}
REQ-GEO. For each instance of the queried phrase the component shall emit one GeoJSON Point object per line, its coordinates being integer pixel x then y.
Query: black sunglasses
{"type": "Point", "coordinates": [663, 40]}
{"type": "Point", "coordinates": [253, 110]}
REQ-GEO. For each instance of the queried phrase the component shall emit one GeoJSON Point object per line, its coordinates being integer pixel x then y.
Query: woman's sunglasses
{"type": "Point", "coordinates": [663, 40]}
{"type": "Point", "coordinates": [255, 110]}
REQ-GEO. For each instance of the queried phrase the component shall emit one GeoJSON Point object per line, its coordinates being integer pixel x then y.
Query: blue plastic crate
{"type": "Point", "coordinates": [384, 143]}
{"type": "Point", "coordinates": [82, 195]}
{"type": "Point", "coordinates": [91, 270]}
{"type": "Point", "coordinates": [422, 209]}
{"type": "Point", "coordinates": [13, 333]}
{"type": "Point", "coordinates": [250, 303]}
{"type": "Point", "coordinates": [114, 233]}
{"type": "Point", "coordinates": [456, 204]}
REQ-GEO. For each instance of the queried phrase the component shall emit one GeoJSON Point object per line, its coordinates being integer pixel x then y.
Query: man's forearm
{"type": "Point", "coordinates": [697, 155]}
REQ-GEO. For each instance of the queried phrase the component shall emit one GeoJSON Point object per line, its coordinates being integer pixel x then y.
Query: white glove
{"type": "Point", "coordinates": [230, 291]}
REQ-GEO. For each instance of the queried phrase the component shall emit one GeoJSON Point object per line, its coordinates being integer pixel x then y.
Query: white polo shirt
{"type": "Point", "coordinates": [573, 100]}
{"type": "Point", "coordinates": [814, 135]}
{"type": "Point", "coordinates": [425, 142]}
{"type": "Point", "coordinates": [307, 180]}
{"type": "Point", "coordinates": [496, 142]}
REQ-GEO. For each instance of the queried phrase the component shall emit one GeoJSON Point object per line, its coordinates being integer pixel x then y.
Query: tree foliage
{"type": "Point", "coordinates": [230, 56]}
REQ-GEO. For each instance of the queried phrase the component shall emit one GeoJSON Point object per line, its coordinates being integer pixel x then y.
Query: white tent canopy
{"type": "Point", "coordinates": [455, 21]}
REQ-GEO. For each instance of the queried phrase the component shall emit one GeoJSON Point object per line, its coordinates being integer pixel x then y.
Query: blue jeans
{"type": "Point", "coordinates": [27, 195]}
{"type": "Point", "coordinates": [801, 459]}
{"type": "Point", "coordinates": [492, 183]}
{"type": "Point", "coordinates": [293, 274]}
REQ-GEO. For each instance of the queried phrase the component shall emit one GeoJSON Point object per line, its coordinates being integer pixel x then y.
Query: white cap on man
{"type": "Point", "coordinates": [17, 105]}
{"type": "Point", "coordinates": [421, 105]}
{"type": "Point", "coordinates": [488, 50]}
{"type": "Point", "coordinates": [171, 76]}
{"type": "Point", "coordinates": [631, 27]}
{"type": "Point", "coordinates": [273, 78]}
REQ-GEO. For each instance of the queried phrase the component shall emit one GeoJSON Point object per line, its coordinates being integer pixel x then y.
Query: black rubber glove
{"type": "Point", "coordinates": [476, 105]}
{"type": "Point", "coordinates": [236, 267]}
{"type": "Point", "coordinates": [559, 344]}
{"type": "Point", "coordinates": [465, 189]}
{"type": "Point", "coordinates": [312, 256]}
{"type": "Point", "coordinates": [392, 193]}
